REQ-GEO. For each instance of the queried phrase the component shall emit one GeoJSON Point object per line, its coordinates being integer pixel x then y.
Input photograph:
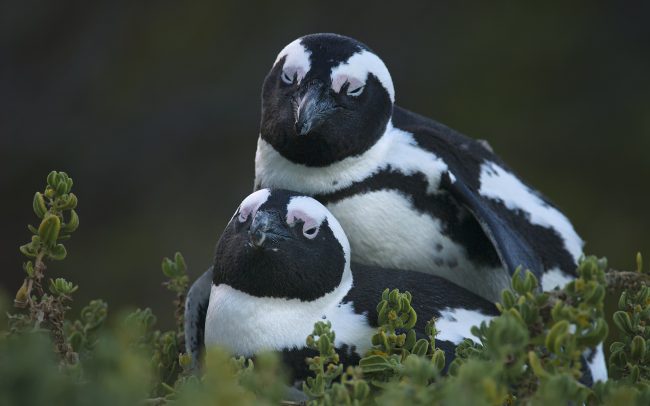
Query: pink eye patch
{"type": "Point", "coordinates": [293, 72]}
{"type": "Point", "coordinates": [340, 80]}
{"type": "Point", "coordinates": [253, 202]}
{"type": "Point", "coordinates": [310, 225]}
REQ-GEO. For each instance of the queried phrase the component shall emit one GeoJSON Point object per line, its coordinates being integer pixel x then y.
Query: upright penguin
{"type": "Point", "coordinates": [283, 263]}
{"type": "Point", "coordinates": [409, 192]}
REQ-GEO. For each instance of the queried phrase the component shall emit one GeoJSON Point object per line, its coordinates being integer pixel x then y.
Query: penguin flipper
{"type": "Point", "coordinates": [196, 306]}
{"type": "Point", "coordinates": [513, 249]}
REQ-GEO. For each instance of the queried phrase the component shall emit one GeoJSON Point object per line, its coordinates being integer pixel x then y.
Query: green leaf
{"type": "Point", "coordinates": [69, 202]}
{"type": "Point", "coordinates": [180, 262]}
{"type": "Point", "coordinates": [554, 337]}
{"type": "Point", "coordinates": [623, 322]}
{"type": "Point", "coordinates": [638, 349]}
{"type": "Point", "coordinates": [52, 178]}
{"type": "Point", "coordinates": [28, 250]}
{"type": "Point", "coordinates": [60, 286]}
{"type": "Point", "coordinates": [410, 340]}
{"type": "Point", "coordinates": [438, 359]}
{"type": "Point", "coordinates": [421, 347]}
{"type": "Point", "coordinates": [49, 229]}
{"type": "Point", "coordinates": [324, 345]}
{"type": "Point", "coordinates": [39, 206]}
{"type": "Point", "coordinates": [57, 253]}
{"type": "Point", "coordinates": [73, 223]}
{"type": "Point", "coordinates": [375, 363]}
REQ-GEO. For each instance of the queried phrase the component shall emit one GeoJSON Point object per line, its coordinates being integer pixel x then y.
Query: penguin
{"type": "Point", "coordinates": [410, 192]}
{"type": "Point", "coordinates": [283, 263]}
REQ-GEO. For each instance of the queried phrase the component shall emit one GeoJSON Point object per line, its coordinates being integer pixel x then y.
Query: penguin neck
{"type": "Point", "coordinates": [247, 324]}
{"type": "Point", "coordinates": [396, 150]}
{"type": "Point", "coordinates": [273, 170]}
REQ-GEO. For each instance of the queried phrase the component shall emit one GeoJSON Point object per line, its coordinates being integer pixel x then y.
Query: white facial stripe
{"type": "Point", "coordinates": [318, 212]}
{"type": "Point", "coordinates": [499, 184]}
{"type": "Point", "coordinates": [358, 67]}
{"type": "Point", "coordinates": [297, 61]}
{"type": "Point", "coordinates": [252, 202]}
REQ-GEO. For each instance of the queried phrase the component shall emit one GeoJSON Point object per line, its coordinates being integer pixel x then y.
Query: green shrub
{"type": "Point", "coordinates": [530, 354]}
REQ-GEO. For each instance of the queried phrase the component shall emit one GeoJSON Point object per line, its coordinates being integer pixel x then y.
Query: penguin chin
{"type": "Point", "coordinates": [321, 147]}
{"type": "Point", "coordinates": [261, 249]}
{"type": "Point", "coordinates": [280, 270]}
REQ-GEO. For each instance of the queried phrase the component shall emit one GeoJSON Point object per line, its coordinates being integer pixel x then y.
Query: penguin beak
{"type": "Point", "coordinates": [313, 108]}
{"type": "Point", "coordinates": [267, 228]}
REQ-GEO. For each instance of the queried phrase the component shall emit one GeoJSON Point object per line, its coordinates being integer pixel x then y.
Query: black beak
{"type": "Point", "coordinates": [267, 228]}
{"type": "Point", "coordinates": [314, 108]}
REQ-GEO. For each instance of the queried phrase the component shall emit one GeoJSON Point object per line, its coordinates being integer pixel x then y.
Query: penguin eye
{"type": "Point", "coordinates": [310, 232]}
{"type": "Point", "coordinates": [286, 78]}
{"type": "Point", "coordinates": [243, 216]}
{"type": "Point", "coordinates": [349, 85]}
{"type": "Point", "coordinates": [297, 217]}
{"type": "Point", "coordinates": [355, 92]}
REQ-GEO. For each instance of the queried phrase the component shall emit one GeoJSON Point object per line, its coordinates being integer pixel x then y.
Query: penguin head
{"type": "Point", "coordinates": [284, 245]}
{"type": "Point", "coordinates": [327, 97]}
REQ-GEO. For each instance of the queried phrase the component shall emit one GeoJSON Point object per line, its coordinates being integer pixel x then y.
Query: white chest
{"type": "Point", "coordinates": [385, 229]}
{"type": "Point", "coordinates": [247, 325]}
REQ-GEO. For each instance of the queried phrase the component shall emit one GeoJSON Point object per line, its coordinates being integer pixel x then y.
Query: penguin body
{"type": "Point", "coordinates": [409, 192]}
{"type": "Point", "coordinates": [283, 264]}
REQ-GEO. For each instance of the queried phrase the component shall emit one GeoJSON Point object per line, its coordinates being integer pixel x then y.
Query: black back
{"type": "Point", "coordinates": [514, 237]}
{"type": "Point", "coordinates": [431, 294]}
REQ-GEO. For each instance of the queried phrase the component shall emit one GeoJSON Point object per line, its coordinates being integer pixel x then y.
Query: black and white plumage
{"type": "Point", "coordinates": [409, 192]}
{"type": "Point", "coordinates": [283, 263]}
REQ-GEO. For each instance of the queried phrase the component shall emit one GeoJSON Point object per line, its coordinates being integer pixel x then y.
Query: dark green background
{"type": "Point", "coordinates": [153, 107]}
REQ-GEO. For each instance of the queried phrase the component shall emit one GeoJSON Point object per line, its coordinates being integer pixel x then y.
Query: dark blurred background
{"type": "Point", "coordinates": [153, 109]}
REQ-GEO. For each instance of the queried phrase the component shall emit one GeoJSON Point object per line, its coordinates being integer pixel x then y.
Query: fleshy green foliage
{"type": "Point", "coordinates": [322, 388]}
{"type": "Point", "coordinates": [630, 358]}
{"type": "Point", "coordinates": [536, 355]}
{"type": "Point", "coordinates": [231, 381]}
{"type": "Point", "coordinates": [178, 282]}
{"type": "Point", "coordinates": [164, 349]}
{"type": "Point", "coordinates": [30, 373]}
{"type": "Point", "coordinates": [55, 207]}
{"type": "Point", "coordinates": [81, 334]}
{"type": "Point", "coordinates": [160, 347]}
{"type": "Point", "coordinates": [176, 271]}
{"type": "Point", "coordinates": [385, 360]}
{"type": "Point", "coordinates": [530, 354]}
{"type": "Point", "coordinates": [615, 392]}
{"type": "Point", "coordinates": [58, 219]}
{"type": "Point", "coordinates": [4, 308]}
{"type": "Point", "coordinates": [325, 365]}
